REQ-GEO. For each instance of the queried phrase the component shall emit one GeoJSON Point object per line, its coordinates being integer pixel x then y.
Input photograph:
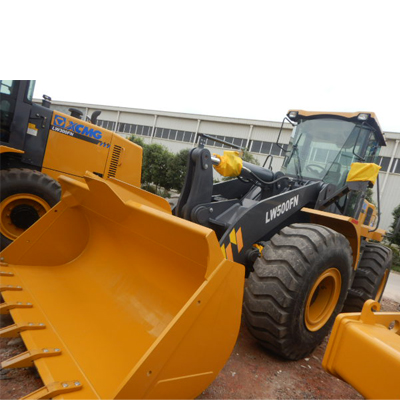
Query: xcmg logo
{"type": "Point", "coordinates": [60, 121]}
{"type": "Point", "coordinates": [63, 122]}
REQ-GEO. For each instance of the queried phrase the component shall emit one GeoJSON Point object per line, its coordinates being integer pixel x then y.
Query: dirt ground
{"type": "Point", "coordinates": [250, 373]}
{"type": "Point", "coordinates": [253, 373]}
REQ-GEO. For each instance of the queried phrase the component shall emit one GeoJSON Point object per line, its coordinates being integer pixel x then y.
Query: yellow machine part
{"type": "Point", "coordinates": [364, 351]}
{"type": "Point", "coordinates": [6, 149]}
{"type": "Point", "coordinates": [110, 156]}
{"type": "Point", "coordinates": [115, 298]}
{"type": "Point", "coordinates": [368, 208]}
{"type": "Point", "coordinates": [230, 163]}
{"type": "Point", "coordinates": [363, 172]}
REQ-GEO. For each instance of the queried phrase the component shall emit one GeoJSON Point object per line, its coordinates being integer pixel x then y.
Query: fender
{"type": "Point", "coordinates": [347, 226]}
{"type": "Point", "coordinates": [6, 149]}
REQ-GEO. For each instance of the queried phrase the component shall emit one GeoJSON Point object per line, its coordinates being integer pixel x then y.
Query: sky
{"type": "Point", "coordinates": [241, 59]}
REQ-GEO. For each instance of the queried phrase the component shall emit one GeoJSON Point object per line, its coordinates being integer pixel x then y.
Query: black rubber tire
{"type": "Point", "coordinates": [371, 277]}
{"type": "Point", "coordinates": [276, 293]}
{"type": "Point", "coordinates": [22, 180]}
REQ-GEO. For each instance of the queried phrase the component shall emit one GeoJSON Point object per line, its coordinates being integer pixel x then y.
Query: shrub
{"type": "Point", "coordinates": [162, 170]}
{"type": "Point", "coordinates": [395, 239]}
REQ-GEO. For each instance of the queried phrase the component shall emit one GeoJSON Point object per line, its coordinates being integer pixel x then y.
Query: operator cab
{"type": "Point", "coordinates": [14, 96]}
{"type": "Point", "coordinates": [323, 146]}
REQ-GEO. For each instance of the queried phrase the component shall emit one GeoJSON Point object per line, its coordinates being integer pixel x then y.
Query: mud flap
{"type": "Point", "coordinates": [116, 298]}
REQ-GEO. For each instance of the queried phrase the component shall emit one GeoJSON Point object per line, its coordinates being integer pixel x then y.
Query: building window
{"type": "Point", "coordinates": [384, 163]}
{"type": "Point", "coordinates": [172, 134]}
{"type": "Point", "coordinates": [158, 132]}
{"type": "Point", "coordinates": [266, 148]}
{"type": "Point", "coordinates": [217, 144]}
{"type": "Point", "coordinates": [213, 143]}
{"type": "Point", "coordinates": [165, 134]}
{"type": "Point", "coordinates": [255, 146]}
{"type": "Point", "coordinates": [179, 135]}
{"type": "Point", "coordinates": [238, 142]}
{"type": "Point", "coordinates": [275, 149]}
{"type": "Point", "coordinates": [320, 155]}
{"type": "Point", "coordinates": [188, 136]}
{"type": "Point", "coordinates": [227, 139]}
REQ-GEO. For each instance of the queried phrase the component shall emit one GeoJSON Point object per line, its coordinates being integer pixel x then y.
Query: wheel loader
{"type": "Point", "coordinates": [38, 145]}
{"type": "Point", "coordinates": [115, 297]}
{"type": "Point", "coordinates": [306, 234]}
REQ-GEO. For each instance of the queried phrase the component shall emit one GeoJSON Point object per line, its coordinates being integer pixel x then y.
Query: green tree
{"type": "Point", "coordinates": [161, 168]}
{"type": "Point", "coordinates": [156, 159]}
{"type": "Point", "coordinates": [177, 168]}
{"type": "Point", "coordinates": [248, 157]}
{"type": "Point", "coordinates": [395, 239]}
{"type": "Point", "coordinates": [368, 196]}
{"type": "Point", "coordinates": [139, 141]}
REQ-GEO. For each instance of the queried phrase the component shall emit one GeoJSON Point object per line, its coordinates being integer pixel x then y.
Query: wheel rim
{"type": "Point", "coordinates": [382, 285]}
{"type": "Point", "coordinates": [19, 211]}
{"type": "Point", "coordinates": [322, 299]}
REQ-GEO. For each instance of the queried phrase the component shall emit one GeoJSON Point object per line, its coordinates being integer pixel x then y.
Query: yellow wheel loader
{"type": "Point", "coordinates": [114, 297]}
{"type": "Point", "coordinates": [306, 234]}
{"type": "Point", "coordinates": [38, 145]}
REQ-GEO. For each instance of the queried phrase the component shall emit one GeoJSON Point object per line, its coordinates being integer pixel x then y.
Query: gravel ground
{"type": "Point", "coordinates": [250, 373]}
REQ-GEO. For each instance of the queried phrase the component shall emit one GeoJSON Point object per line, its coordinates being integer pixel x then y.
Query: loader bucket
{"type": "Point", "coordinates": [364, 351]}
{"type": "Point", "coordinates": [115, 298]}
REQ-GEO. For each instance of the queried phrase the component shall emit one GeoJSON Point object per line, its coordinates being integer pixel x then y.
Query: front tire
{"type": "Point", "coordinates": [26, 195]}
{"type": "Point", "coordinates": [298, 287]}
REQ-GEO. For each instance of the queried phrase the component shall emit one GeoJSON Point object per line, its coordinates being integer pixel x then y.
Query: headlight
{"type": "Point", "coordinates": [293, 114]}
{"type": "Point", "coordinates": [363, 116]}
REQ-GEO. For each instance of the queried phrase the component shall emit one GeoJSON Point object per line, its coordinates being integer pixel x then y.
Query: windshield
{"type": "Point", "coordinates": [325, 148]}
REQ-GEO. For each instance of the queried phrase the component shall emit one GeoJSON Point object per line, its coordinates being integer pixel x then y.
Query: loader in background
{"type": "Point", "coordinates": [38, 145]}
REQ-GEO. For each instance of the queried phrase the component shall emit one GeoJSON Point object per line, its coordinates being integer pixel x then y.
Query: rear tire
{"type": "Point", "coordinates": [298, 286]}
{"type": "Point", "coordinates": [371, 277]}
{"type": "Point", "coordinates": [26, 195]}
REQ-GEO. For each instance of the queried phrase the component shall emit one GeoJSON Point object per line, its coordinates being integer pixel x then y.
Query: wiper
{"type": "Point", "coordinates": [297, 163]}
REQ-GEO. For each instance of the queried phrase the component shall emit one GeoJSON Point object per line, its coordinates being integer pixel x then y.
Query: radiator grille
{"type": "Point", "coordinates": [116, 154]}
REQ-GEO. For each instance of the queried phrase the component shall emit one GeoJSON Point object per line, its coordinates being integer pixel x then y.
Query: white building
{"type": "Point", "coordinates": [178, 131]}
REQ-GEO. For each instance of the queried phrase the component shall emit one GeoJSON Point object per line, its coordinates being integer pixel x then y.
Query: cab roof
{"type": "Point", "coordinates": [350, 116]}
